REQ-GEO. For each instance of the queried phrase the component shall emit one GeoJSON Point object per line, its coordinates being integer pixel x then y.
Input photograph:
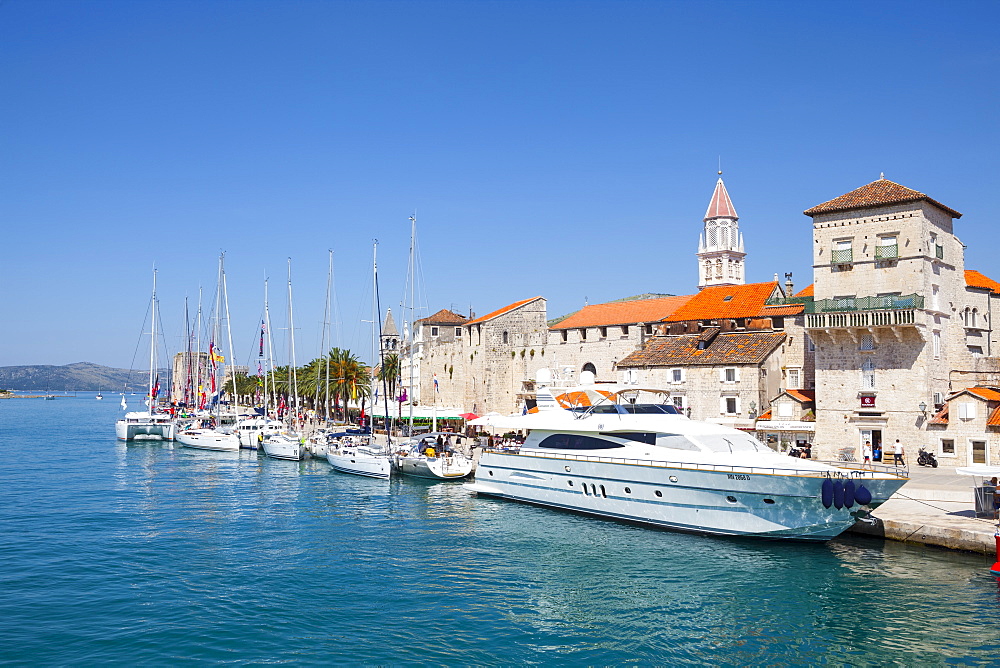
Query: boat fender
{"type": "Point", "coordinates": [827, 493]}
{"type": "Point", "coordinates": [863, 495]}
{"type": "Point", "coordinates": [838, 495]}
{"type": "Point", "coordinates": [849, 494]}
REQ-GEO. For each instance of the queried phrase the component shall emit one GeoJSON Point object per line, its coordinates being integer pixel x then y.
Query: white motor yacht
{"type": "Point", "coordinates": [641, 462]}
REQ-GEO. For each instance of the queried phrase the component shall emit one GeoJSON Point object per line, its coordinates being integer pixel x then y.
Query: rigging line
{"type": "Point", "coordinates": [944, 510]}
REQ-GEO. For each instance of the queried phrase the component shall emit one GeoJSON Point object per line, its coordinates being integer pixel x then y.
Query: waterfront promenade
{"type": "Point", "coordinates": [935, 508]}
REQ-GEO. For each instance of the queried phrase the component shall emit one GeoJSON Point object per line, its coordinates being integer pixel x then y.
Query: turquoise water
{"type": "Point", "coordinates": [151, 554]}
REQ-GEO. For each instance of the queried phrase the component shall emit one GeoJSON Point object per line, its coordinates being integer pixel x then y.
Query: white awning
{"type": "Point", "coordinates": [785, 425]}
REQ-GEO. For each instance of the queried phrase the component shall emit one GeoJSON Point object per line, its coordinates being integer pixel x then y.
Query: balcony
{"type": "Point", "coordinates": [887, 252]}
{"type": "Point", "coordinates": [842, 256]}
{"type": "Point", "coordinates": [886, 311]}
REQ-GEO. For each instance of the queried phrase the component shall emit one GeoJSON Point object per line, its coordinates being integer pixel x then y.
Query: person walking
{"type": "Point", "coordinates": [866, 453]}
{"type": "Point", "coordinates": [897, 453]}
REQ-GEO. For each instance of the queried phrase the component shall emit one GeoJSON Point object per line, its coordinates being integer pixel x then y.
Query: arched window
{"type": "Point", "coordinates": [975, 312]}
{"type": "Point", "coordinates": [589, 366]}
{"type": "Point", "coordinates": [505, 337]}
{"type": "Point", "coordinates": [718, 268]}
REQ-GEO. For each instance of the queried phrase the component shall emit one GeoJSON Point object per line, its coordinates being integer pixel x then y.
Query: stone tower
{"type": "Point", "coordinates": [720, 247]}
{"type": "Point", "coordinates": [390, 342]}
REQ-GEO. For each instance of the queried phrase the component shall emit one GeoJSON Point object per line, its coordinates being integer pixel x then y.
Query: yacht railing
{"type": "Point", "coordinates": [846, 469]}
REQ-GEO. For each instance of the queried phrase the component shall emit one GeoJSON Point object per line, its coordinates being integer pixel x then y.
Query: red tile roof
{"type": "Point", "coordinates": [720, 206]}
{"type": "Point", "coordinates": [986, 393]}
{"type": "Point", "coordinates": [445, 317]}
{"type": "Point", "coordinates": [623, 313]}
{"type": "Point", "coordinates": [766, 415]}
{"type": "Point", "coordinates": [994, 418]}
{"type": "Point", "coordinates": [805, 396]}
{"type": "Point", "coordinates": [726, 348]}
{"type": "Point", "coordinates": [787, 309]}
{"type": "Point", "coordinates": [974, 279]}
{"type": "Point", "coordinates": [505, 309]}
{"type": "Point", "coordinates": [941, 417]}
{"type": "Point", "coordinates": [806, 291]}
{"type": "Point", "coordinates": [876, 193]}
{"type": "Point", "coordinates": [727, 301]}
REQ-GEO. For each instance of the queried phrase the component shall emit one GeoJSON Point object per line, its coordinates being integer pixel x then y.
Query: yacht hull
{"type": "Point", "coordinates": [206, 439]}
{"type": "Point", "coordinates": [280, 447]}
{"type": "Point", "coordinates": [434, 468]}
{"type": "Point", "coordinates": [129, 430]}
{"type": "Point", "coordinates": [371, 466]}
{"type": "Point", "coordinates": [763, 503]}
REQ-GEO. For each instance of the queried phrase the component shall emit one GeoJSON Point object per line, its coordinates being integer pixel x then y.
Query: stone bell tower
{"type": "Point", "coordinates": [720, 247]}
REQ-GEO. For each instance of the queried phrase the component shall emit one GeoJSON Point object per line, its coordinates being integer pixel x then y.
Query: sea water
{"type": "Point", "coordinates": [154, 554]}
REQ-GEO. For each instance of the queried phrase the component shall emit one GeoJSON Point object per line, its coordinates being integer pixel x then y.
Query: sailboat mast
{"type": "Point", "coordinates": [413, 338]}
{"type": "Point", "coordinates": [291, 334]}
{"type": "Point", "coordinates": [232, 353]}
{"type": "Point", "coordinates": [152, 349]}
{"type": "Point", "coordinates": [270, 352]}
{"type": "Point", "coordinates": [199, 375]}
{"type": "Point", "coordinates": [381, 355]}
{"type": "Point", "coordinates": [324, 353]}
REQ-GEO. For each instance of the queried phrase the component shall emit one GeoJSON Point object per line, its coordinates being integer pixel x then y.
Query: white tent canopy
{"type": "Point", "coordinates": [419, 412]}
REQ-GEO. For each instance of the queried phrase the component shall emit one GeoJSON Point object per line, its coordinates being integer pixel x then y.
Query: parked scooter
{"type": "Point", "coordinates": [925, 458]}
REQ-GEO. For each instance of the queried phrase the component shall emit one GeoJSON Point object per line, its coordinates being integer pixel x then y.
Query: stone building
{"type": "Point", "coordinates": [966, 430]}
{"type": "Point", "coordinates": [444, 328]}
{"type": "Point", "coordinates": [725, 353]}
{"type": "Point", "coordinates": [597, 336]}
{"type": "Point", "coordinates": [897, 322]}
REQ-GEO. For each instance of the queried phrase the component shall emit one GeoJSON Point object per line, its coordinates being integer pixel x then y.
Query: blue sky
{"type": "Point", "coordinates": [562, 149]}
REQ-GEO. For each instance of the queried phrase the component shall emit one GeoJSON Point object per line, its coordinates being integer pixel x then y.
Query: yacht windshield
{"type": "Point", "coordinates": [650, 408]}
{"type": "Point", "coordinates": [730, 442]}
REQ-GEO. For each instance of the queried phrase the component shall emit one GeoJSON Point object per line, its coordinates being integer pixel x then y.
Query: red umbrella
{"type": "Point", "coordinates": [468, 416]}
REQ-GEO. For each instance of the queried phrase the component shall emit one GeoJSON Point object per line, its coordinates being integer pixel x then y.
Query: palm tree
{"type": "Point", "coordinates": [350, 380]}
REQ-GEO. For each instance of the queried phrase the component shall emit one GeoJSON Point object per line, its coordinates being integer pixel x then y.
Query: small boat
{"type": "Point", "coordinates": [425, 458]}
{"type": "Point", "coordinates": [633, 458]}
{"type": "Point", "coordinates": [99, 396]}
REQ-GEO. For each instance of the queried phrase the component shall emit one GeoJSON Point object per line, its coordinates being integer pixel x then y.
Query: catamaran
{"type": "Point", "coordinates": [148, 424]}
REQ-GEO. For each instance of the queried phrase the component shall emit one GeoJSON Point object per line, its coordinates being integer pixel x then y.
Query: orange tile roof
{"type": "Point", "coordinates": [766, 415]}
{"type": "Point", "coordinates": [787, 309]}
{"type": "Point", "coordinates": [445, 317]}
{"type": "Point", "coordinates": [876, 193]}
{"type": "Point", "coordinates": [986, 393]}
{"type": "Point", "coordinates": [499, 312]}
{"type": "Point", "coordinates": [726, 301]}
{"type": "Point", "coordinates": [994, 419]}
{"type": "Point", "coordinates": [806, 291]}
{"type": "Point", "coordinates": [941, 417]}
{"type": "Point", "coordinates": [974, 279]}
{"type": "Point", "coordinates": [726, 348]}
{"type": "Point", "coordinates": [623, 313]}
{"type": "Point", "coordinates": [804, 396]}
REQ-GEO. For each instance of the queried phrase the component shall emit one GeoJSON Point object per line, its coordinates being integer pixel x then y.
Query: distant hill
{"type": "Point", "coordinates": [82, 376]}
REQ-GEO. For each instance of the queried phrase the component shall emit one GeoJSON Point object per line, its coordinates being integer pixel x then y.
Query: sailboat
{"type": "Point", "coordinates": [253, 430]}
{"type": "Point", "coordinates": [216, 437]}
{"type": "Point", "coordinates": [149, 424]}
{"type": "Point", "coordinates": [288, 444]}
{"type": "Point", "coordinates": [352, 454]}
{"type": "Point", "coordinates": [417, 458]}
{"type": "Point", "coordinates": [99, 395]}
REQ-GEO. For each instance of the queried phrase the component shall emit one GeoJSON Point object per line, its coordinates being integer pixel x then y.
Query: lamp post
{"type": "Point", "coordinates": [753, 410]}
{"type": "Point", "coordinates": [923, 408]}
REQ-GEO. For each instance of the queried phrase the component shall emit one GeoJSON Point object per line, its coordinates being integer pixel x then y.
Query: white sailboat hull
{"type": "Point", "coordinates": [208, 439]}
{"type": "Point", "coordinates": [359, 463]}
{"type": "Point", "coordinates": [434, 468]}
{"type": "Point", "coordinates": [283, 447]}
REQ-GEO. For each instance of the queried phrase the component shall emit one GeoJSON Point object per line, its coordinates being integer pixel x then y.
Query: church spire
{"type": "Point", "coordinates": [720, 245]}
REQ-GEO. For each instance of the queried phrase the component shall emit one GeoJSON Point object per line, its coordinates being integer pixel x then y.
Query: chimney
{"type": "Point", "coordinates": [788, 284]}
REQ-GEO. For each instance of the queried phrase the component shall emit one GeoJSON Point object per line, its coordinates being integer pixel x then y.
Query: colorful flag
{"type": "Point", "coordinates": [436, 388]}
{"type": "Point", "coordinates": [261, 352]}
